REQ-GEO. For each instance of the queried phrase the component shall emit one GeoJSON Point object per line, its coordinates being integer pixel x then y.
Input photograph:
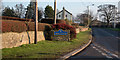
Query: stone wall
{"type": "Point", "coordinates": [77, 30]}
{"type": "Point", "coordinates": [83, 29]}
{"type": "Point", "coordinates": [12, 39]}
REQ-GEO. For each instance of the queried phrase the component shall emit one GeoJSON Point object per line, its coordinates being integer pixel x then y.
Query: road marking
{"type": "Point", "coordinates": [104, 51]}
{"type": "Point", "coordinates": [104, 54]}
{"type": "Point", "coordinates": [110, 34]}
{"type": "Point", "coordinates": [108, 52]}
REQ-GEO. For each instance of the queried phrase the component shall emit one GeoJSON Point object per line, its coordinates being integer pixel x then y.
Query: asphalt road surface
{"type": "Point", "coordinates": [104, 46]}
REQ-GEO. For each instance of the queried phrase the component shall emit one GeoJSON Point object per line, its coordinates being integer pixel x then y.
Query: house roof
{"type": "Point", "coordinates": [66, 11]}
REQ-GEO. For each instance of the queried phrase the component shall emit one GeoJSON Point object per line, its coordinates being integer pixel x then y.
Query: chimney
{"type": "Point", "coordinates": [63, 13]}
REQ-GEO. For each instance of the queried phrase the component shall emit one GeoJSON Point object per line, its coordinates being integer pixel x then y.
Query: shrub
{"type": "Point", "coordinates": [65, 27]}
{"type": "Point", "coordinates": [76, 25]}
{"type": "Point", "coordinates": [13, 26]}
{"type": "Point", "coordinates": [68, 22]}
{"type": "Point", "coordinates": [118, 25]}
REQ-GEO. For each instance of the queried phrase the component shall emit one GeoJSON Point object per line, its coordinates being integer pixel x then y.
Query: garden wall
{"type": "Point", "coordinates": [83, 29]}
{"type": "Point", "coordinates": [77, 30]}
{"type": "Point", "coordinates": [12, 39]}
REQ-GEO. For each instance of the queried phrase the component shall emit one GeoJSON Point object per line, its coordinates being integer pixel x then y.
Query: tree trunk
{"type": "Point", "coordinates": [108, 23]}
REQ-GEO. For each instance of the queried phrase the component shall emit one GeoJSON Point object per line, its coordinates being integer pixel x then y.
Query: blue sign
{"type": "Point", "coordinates": [60, 32]}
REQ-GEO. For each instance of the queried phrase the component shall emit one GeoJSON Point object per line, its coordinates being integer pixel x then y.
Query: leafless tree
{"type": "Point", "coordinates": [20, 10]}
{"type": "Point", "coordinates": [106, 11]}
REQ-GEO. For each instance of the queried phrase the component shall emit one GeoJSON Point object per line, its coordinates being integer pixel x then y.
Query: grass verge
{"type": "Point", "coordinates": [115, 29]}
{"type": "Point", "coordinates": [47, 49]}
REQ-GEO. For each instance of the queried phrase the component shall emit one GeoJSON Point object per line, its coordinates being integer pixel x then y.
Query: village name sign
{"type": "Point", "coordinates": [61, 35]}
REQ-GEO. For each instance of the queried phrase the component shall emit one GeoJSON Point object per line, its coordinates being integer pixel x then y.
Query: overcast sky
{"type": "Point", "coordinates": [73, 6]}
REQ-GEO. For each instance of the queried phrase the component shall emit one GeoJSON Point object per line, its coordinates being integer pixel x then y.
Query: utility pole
{"type": "Point", "coordinates": [55, 11]}
{"type": "Point", "coordinates": [36, 22]}
{"type": "Point", "coordinates": [88, 15]}
{"type": "Point", "coordinates": [115, 18]}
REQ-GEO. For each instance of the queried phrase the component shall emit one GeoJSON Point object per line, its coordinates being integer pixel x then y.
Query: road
{"type": "Point", "coordinates": [104, 46]}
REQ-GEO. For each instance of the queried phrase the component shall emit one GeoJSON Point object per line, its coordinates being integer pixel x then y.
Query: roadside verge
{"type": "Point", "coordinates": [75, 51]}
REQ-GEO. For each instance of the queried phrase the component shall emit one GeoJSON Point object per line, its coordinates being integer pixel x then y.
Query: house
{"type": "Point", "coordinates": [64, 14]}
{"type": "Point", "coordinates": [119, 6]}
{"type": "Point", "coordinates": [118, 11]}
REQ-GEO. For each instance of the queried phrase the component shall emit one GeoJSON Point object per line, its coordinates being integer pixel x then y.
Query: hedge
{"type": "Point", "coordinates": [18, 26]}
{"type": "Point", "coordinates": [13, 26]}
{"type": "Point", "coordinates": [41, 26]}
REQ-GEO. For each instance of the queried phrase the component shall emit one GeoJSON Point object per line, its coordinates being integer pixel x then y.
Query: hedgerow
{"type": "Point", "coordinates": [18, 26]}
{"type": "Point", "coordinates": [13, 26]}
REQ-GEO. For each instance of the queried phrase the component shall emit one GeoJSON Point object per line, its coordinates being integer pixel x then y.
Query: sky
{"type": "Point", "coordinates": [73, 6]}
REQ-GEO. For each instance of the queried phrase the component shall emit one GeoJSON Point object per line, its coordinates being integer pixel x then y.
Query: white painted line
{"type": "Point", "coordinates": [108, 52]}
{"type": "Point", "coordinates": [110, 34]}
{"type": "Point", "coordinates": [104, 54]}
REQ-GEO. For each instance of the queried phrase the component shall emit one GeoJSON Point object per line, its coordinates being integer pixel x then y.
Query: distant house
{"type": "Point", "coordinates": [119, 6]}
{"type": "Point", "coordinates": [119, 11]}
{"type": "Point", "coordinates": [64, 14]}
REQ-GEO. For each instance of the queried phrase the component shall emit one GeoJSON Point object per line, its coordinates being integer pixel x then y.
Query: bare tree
{"type": "Point", "coordinates": [107, 12]}
{"type": "Point", "coordinates": [20, 10]}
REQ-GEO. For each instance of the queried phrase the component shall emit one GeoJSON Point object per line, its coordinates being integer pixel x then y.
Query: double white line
{"type": "Point", "coordinates": [104, 52]}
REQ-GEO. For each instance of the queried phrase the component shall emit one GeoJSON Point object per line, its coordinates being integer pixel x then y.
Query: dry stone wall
{"type": "Point", "coordinates": [12, 39]}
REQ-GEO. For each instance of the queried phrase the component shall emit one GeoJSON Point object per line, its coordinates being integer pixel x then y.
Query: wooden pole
{"type": "Point", "coordinates": [55, 12]}
{"type": "Point", "coordinates": [36, 22]}
{"type": "Point", "coordinates": [88, 16]}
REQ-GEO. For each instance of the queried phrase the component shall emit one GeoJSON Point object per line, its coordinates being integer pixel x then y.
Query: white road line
{"type": "Point", "coordinates": [104, 54]}
{"type": "Point", "coordinates": [110, 34]}
{"type": "Point", "coordinates": [108, 52]}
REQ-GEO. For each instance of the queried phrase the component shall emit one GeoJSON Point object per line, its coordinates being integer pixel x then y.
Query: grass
{"type": "Point", "coordinates": [46, 49]}
{"type": "Point", "coordinates": [115, 29]}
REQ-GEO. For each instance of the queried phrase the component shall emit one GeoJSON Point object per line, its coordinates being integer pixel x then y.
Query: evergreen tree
{"type": "Point", "coordinates": [9, 12]}
{"type": "Point", "coordinates": [30, 13]}
{"type": "Point", "coordinates": [49, 13]}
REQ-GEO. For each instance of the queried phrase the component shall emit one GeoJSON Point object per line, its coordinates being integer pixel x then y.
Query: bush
{"type": "Point", "coordinates": [76, 25]}
{"type": "Point", "coordinates": [65, 27]}
{"type": "Point", "coordinates": [13, 26]}
{"type": "Point", "coordinates": [68, 22]}
{"type": "Point", "coordinates": [118, 25]}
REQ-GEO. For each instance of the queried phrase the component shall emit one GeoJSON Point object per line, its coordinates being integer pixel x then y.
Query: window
{"type": "Point", "coordinates": [59, 15]}
{"type": "Point", "coordinates": [66, 15]}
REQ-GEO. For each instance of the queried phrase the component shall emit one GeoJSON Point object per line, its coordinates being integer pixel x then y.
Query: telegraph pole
{"type": "Point", "coordinates": [55, 11]}
{"type": "Point", "coordinates": [88, 15]}
{"type": "Point", "coordinates": [36, 22]}
{"type": "Point", "coordinates": [115, 18]}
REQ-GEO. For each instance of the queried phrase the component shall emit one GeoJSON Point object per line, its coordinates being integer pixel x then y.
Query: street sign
{"type": "Point", "coordinates": [60, 32]}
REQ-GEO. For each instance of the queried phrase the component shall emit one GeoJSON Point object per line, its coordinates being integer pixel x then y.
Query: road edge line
{"type": "Point", "coordinates": [75, 51]}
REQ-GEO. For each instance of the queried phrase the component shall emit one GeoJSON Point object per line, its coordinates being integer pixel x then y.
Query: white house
{"type": "Point", "coordinates": [119, 6]}
{"type": "Point", "coordinates": [118, 11]}
{"type": "Point", "coordinates": [64, 14]}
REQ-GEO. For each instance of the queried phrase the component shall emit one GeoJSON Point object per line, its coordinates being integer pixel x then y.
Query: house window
{"type": "Point", "coordinates": [59, 15]}
{"type": "Point", "coordinates": [66, 15]}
